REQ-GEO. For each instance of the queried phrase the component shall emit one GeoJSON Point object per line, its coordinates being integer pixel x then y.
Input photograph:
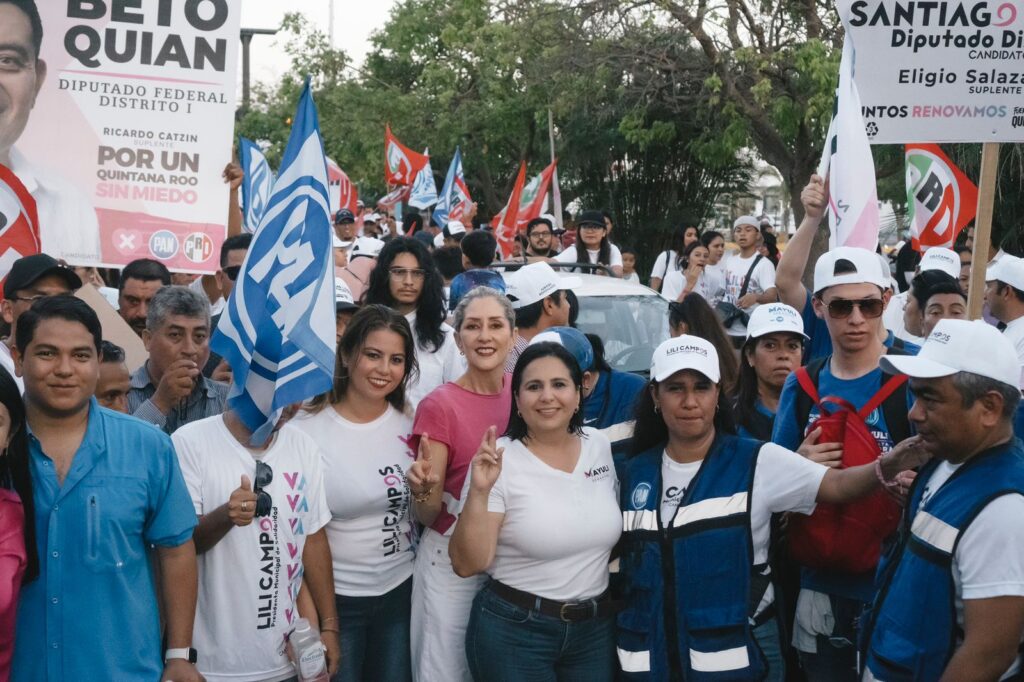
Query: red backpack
{"type": "Point", "coordinates": [847, 537]}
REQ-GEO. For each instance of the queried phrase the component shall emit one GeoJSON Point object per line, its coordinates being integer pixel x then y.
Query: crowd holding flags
{"type": "Point", "coordinates": [277, 331]}
{"type": "Point", "coordinates": [424, 191]}
{"type": "Point", "coordinates": [19, 222]}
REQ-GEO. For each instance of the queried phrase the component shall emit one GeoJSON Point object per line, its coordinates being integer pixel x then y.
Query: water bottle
{"type": "Point", "coordinates": [308, 653]}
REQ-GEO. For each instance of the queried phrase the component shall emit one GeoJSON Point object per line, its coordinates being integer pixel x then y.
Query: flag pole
{"type": "Point", "coordinates": [983, 227]}
{"type": "Point", "coordinates": [556, 192]}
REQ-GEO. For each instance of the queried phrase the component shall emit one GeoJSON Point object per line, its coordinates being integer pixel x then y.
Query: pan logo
{"type": "Point", "coordinates": [163, 244]}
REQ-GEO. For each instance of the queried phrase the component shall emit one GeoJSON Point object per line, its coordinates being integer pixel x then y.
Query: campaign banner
{"type": "Point", "coordinates": [938, 71]}
{"type": "Point", "coordinates": [131, 130]}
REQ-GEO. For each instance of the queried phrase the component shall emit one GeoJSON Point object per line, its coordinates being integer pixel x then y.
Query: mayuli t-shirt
{"type": "Point", "coordinates": [761, 280]}
{"type": "Point", "coordinates": [370, 531]}
{"type": "Point", "coordinates": [250, 580]}
{"type": "Point", "coordinates": [459, 418]}
{"type": "Point", "coordinates": [559, 528]}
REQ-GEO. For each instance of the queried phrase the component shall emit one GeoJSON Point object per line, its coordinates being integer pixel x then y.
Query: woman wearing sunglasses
{"type": "Point", "coordinates": [697, 503]}
{"type": "Point", "coordinates": [365, 434]}
{"type": "Point", "coordinates": [405, 279]}
{"type": "Point", "coordinates": [541, 518]}
{"type": "Point", "coordinates": [450, 423]}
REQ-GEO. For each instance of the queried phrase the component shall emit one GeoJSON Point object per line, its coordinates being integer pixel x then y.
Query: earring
{"type": "Point", "coordinates": [657, 408]}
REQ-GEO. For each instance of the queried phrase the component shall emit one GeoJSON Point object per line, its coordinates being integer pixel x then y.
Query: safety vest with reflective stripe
{"type": "Point", "coordinates": [610, 408]}
{"type": "Point", "coordinates": [911, 631]}
{"type": "Point", "coordinates": [688, 582]}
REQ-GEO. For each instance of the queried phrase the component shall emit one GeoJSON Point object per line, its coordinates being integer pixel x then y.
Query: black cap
{"type": "Point", "coordinates": [30, 269]}
{"type": "Point", "coordinates": [344, 216]}
{"type": "Point", "coordinates": [590, 218]}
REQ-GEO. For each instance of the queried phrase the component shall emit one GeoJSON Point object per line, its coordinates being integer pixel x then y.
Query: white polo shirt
{"type": "Point", "coordinates": [1015, 333]}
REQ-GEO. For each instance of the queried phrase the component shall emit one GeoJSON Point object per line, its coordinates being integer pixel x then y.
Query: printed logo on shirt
{"type": "Point", "coordinates": [640, 494]}
{"type": "Point", "coordinates": [269, 573]}
{"type": "Point", "coordinates": [397, 493]}
{"type": "Point", "coordinates": [881, 437]}
{"type": "Point", "coordinates": [598, 473]}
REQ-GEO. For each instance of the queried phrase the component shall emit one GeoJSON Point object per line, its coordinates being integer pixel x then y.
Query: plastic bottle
{"type": "Point", "coordinates": [308, 653]}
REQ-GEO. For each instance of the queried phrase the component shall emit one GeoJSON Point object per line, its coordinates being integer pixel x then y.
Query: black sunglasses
{"type": "Point", "coordinates": [870, 308]}
{"type": "Point", "coordinates": [264, 475]}
{"type": "Point", "coordinates": [232, 272]}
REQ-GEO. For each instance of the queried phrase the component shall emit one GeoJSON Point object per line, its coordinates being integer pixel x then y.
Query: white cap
{"type": "Point", "coordinates": [339, 244]}
{"type": "Point", "coordinates": [367, 246]}
{"type": "Point", "coordinates": [960, 346]}
{"type": "Point", "coordinates": [343, 298]}
{"type": "Point", "coordinates": [746, 220]}
{"type": "Point", "coordinates": [371, 218]}
{"type": "Point", "coordinates": [774, 317]}
{"type": "Point", "coordinates": [883, 261]}
{"type": "Point", "coordinates": [1008, 270]}
{"type": "Point", "coordinates": [535, 282]}
{"type": "Point", "coordinates": [439, 240]}
{"type": "Point", "coordinates": [941, 259]}
{"type": "Point", "coordinates": [685, 352]}
{"type": "Point", "coordinates": [867, 269]}
{"type": "Point", "coordinates": [454, 227]}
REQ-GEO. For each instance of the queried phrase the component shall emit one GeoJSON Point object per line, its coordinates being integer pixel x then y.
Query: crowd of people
{"type": "Point", "coordinates": [806, 486]}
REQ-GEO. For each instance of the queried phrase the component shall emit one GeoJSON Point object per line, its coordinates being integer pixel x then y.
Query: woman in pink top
{"type": "Point", "coordinates": [18, 560]}
{"type": "Point", "coordinates": [451, 421]}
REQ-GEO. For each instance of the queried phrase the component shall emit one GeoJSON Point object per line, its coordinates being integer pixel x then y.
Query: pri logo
{"type": "Point", "coordinates": [198, 247]}
{"type": "Point", "coordinates": [871, 129]}
{"type": "Point", "coordinates": [163, 244]}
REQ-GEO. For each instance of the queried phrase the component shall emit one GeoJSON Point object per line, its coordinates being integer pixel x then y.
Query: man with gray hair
{"type": "Point", "coordinates": [950, 602]}
{"type": "Point", "coordinates": [169, 390]}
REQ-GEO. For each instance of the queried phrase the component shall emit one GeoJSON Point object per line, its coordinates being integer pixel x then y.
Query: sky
{"type": "Point", "coordinates": [354, 21]}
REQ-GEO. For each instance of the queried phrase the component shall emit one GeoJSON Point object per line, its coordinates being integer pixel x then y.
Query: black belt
{"type": "Point", "coordinates": [567, 611]}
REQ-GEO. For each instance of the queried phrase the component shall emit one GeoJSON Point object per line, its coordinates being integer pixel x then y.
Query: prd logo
{"type": "Point", "coordinates": [163, 244]}
{"type": "Point", "coordinates": [198, 247]}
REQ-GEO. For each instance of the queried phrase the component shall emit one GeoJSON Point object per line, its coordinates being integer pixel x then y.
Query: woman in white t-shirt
{"type": "Point", "coordinates": [714, 271]}
{"type": "Point", "coordinates": [364, 430]}
{"type": "Point", "coordinates": [592, 240]}
{"type": "Point", "coordinates": [670, 260]}
{"type": "Point", "coordinates": [695, 491]}
{"type": "Point", "coordinates": [541, 518]}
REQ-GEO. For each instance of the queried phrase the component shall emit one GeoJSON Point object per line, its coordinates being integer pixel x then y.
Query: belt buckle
{"type": "Point", "coordinates": [561, 612]}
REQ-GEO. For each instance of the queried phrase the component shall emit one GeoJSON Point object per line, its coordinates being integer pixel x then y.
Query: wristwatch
{"type": "Point", "coordinates": [189, 654]}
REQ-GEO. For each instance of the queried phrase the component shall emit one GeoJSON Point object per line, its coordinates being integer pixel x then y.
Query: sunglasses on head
{"type": "Point", "coordinates": [232, 272]}
{"type": "Point", "coordinates": [264, 475]}
{"type": "Point", "coordinates": [840, 308]}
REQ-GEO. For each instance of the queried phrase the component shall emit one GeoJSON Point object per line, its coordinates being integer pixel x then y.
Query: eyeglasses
{"type": "Point", "coordinates": [28, 299]}
{"type": "Point", "coordinates": [264, 475]}
{"type": "Point", "coordinates": [870, 308]}
{"type": "Point", "coordinates": [538, 233]}
{"type": "Point", "coordinates": [404, 273]}
{"type": "Point", "coordinates": [232, 272]}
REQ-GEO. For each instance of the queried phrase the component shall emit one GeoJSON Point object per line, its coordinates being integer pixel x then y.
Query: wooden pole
{"type": "Point", "coordinates": [983, 227]}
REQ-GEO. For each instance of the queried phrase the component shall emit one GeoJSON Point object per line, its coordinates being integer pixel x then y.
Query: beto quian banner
{"type": "Point", "coordinates": [939, 71]}
{"type": "Point", "coordinates": [131, 129]}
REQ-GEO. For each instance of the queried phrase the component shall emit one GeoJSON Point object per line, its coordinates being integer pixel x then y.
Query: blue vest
{"type": "Point", "coordinates": [610, 409]}
{"type": "Point", "coordinates": [911, 631]}
{"type": "Point", "coordinates": [689, 594]}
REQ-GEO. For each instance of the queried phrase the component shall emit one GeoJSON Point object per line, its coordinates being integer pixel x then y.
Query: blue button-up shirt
{"type": "Point", "coordinates": [92, 612]}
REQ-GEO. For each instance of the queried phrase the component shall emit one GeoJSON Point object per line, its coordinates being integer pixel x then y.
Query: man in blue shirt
{"type": "Point", "coordinates": [107, 487]}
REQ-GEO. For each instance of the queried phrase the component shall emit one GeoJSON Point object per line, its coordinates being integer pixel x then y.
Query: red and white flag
{"type": "Point", "coordinates": [394, 197]}
{"type": "Point", "coordinates": [940, 198]}
{"type": "Point", "coordinates": [505, 224]}
{"type": "Point", "coordinates": [401, 164]}
{"type": "Point", "coordinates": [534, 198]}
{"type": "Point", "coordinates": [343, 194]}
{"type": "Point", "coordinates": [853, 215]}
{"type": "Point", "coordinates": [19, 221]}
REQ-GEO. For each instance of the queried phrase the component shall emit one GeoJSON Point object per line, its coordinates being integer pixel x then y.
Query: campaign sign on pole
{"type": "Point", "coordinates": [939, 71]}
{"type": "Point", "coordinates": [132, 127]}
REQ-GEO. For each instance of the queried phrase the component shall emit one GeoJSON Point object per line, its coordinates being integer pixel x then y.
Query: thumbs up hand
{"type": "Point", "coordinates": [242, 503]}
{"type": "Point", "coordinates": [487, 463]}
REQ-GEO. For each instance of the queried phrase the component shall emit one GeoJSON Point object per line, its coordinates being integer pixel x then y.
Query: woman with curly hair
{"type": "Point", "coordinates": [405, 279]}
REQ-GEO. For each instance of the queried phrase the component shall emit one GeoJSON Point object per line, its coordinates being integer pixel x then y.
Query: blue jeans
{"type": "Point", "coordinates": [505, 643]}
{"type": "Point", "coordinates": [375, 636]}
{"type": "Point", "coordinates": [767, 636]}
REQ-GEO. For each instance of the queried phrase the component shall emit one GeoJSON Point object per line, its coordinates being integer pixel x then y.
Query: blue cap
{"type": "Point", "coordinates": [344, 216]}
{"type": "Point", "coordinates": [573, 340]}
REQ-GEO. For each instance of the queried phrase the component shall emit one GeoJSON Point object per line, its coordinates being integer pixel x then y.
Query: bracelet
{"type": "Point", "coordinates": [423, 496]}
{"type": "Point", "coordinates": [324, 621]}
{"type": "Point", "coordinates": [893, 484]}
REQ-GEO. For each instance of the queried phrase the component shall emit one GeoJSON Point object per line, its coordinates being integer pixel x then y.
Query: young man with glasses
{"type": "Point", "coordinates": [31, 278]}
{"type": "Point", "coordinates": [850, 293]}
{"type": "Point", "coordinates": [540, 235]}
{"type": "Point", "coordinates": [260, 541]}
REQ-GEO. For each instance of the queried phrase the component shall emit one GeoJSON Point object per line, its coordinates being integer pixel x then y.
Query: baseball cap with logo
{"type": "Point", "coordinates": [343, 299]}
{"type": "Point", "coordinates": [685, 352]}
{"type": "Point", "coordinates": [573, 340]}
{"type": "Point", "coordinates": [774, 317]}
{"type": "Point", "coordinates": [1008, 270]}
{"type": "Point", "coordinates": [367, 246]}
{"type": "Point", "coordinates": [954, 346]}
{"type": "Point", "coordinates": [535, 282]}
{"type": "Point", "coordinates": [344, 216]}
{"type": "Point", "coordinates": [371, 218]}
{"type": "Point", "coordinates": [454, 227]}
{"type": "Point", "coordinates": [941, 259]}
{"type": "Point", "coordinates": [862, 268]}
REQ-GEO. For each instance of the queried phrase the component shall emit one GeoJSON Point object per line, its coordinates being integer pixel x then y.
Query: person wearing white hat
{"type": "Point", "coordinates": [950, 601]}
{"type": "Point", "coordinates": [344, 306]}
{"type": "Point", "coordinates": [536, 292]}
{"type": "Point", "coordinates": [774, 346]}
{"type": "Point", "coordinates": [1004, 293]}
{"type": "Point", "coordinates": [749, 276]}
{"type": "Point", "coordinates": [851, 291]}
{"type": "Point", "coordinates": [936, 296]}
{"type": "Point", "coordinates": [902, 315]}
{"type": "Point", "coordinates": [693, 491]}
{"type": "Point", "coordinates": [452, 234]}
{"type": "Point", "coordinates": [341, 249]}
{"type": "Point", "coordinates": [371, 226]}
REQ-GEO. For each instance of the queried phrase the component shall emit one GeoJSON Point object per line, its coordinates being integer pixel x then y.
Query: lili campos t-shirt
{"type": "Point", "coordinates": [250, 580]}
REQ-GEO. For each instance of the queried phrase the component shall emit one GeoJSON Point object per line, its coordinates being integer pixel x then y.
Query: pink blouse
{"type": "Point", "coordinates": [12, 566]}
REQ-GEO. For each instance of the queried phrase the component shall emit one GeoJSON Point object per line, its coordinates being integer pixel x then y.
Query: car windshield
{"type": "Point", "coordinates": [630, 326]}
